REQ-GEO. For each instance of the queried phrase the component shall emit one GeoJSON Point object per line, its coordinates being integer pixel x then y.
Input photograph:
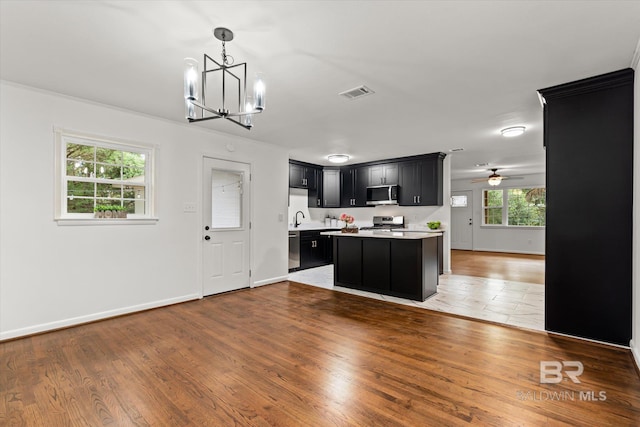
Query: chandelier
{"type": "Point", "coordinates": [233, 93]}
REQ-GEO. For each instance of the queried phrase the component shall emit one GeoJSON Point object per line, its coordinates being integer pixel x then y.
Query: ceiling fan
{"type": "Point", "coordinates": [495, 178]}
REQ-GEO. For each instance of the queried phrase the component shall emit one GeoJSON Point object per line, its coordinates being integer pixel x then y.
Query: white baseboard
{"type": "Point", "coordinates": [508, 251]}
{"type": "Point", "coordinates": [270, 281]}
{"type": "Point", "coordinates": [73, 321]}
{"type": "Point", "coordinates": [635, 352]}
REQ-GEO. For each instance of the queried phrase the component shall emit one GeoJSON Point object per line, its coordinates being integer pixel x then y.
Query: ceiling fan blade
{"type": "Point", "coordinates": [512, 177]}
{"type": "Point", "coordinates": [480, 180]}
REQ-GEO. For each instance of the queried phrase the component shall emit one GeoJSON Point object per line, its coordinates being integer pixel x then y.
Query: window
{"type": "Point", "coordinates": [524, 207]}
{"type": "Point", "coordinates": [95, 173]}
{"type": "Point", "coordinates": [226, 199]}
{"type": "Point", "coordinates": [459, 201]}
{"type": "Point", "coordinates": [492, 202]}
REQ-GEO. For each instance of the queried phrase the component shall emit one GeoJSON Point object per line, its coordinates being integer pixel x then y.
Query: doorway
{"type": "Point", "coordinates": [226, 226]}
{"type": "Point", "coordinates": [462, 220]}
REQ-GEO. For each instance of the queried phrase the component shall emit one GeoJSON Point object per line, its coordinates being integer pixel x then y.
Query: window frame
{"type": "Point", "coordinates": [505, 208]}
{"type": "Point", "coordinates": [64, 137]}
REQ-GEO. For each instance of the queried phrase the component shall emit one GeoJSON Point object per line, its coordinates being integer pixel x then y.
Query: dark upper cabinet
{"type": "Point", "coordinates": [330, 194]}
{"type": "Point", "coordinates": [303, 175]}
{"type": "Point", "coordinates": [588, 124]}
{"type": "Point", "coordinates": [353, 183]}
{"type": "Point", "coordinates": [383, 174]}
{"type": "Point", "coordinates": [420, 181]}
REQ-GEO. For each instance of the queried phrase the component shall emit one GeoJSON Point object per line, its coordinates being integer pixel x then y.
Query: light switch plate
{"type": "Point", "coordinates": [189, 207]}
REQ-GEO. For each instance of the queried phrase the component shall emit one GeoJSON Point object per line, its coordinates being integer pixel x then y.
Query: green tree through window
{"type": "Point", "coordinates": [515, 207]}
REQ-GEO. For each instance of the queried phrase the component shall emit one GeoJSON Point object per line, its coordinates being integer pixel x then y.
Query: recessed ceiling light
{"type": "Point", "coordinates": [338, 158]}
{"type": "Point", "coordinates": [455, 150]}
{"type": "Point", "coordinates": [512, 131]}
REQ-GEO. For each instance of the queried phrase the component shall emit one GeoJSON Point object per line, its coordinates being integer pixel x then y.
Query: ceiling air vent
{"type": "Point", "coordinates": [356, 92]}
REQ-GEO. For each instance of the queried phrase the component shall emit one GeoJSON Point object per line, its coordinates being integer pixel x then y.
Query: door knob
{"type": "Point", "coordinates": [207, 237]}
{"type": "Point", "coordinates": [206, 227]}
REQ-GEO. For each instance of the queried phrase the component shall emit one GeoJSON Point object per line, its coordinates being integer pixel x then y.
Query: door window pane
{"type": "Point", "coordinates": [226, 199]}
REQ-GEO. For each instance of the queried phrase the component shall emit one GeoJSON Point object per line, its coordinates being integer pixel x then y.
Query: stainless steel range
{"type": "Point", "coordinates": [386, 223]}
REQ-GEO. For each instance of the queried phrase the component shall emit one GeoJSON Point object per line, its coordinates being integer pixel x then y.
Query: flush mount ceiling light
{"type": "Point", "coordinates": [233, 92]}
{"type": "Point", "coordinates": [512, 131]}
{"type": "Point", "coordinates": [338, 158]}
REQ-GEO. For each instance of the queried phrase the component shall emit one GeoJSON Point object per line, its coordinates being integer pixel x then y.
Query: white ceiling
{"type": "Point", "coordinates": [447, 74]}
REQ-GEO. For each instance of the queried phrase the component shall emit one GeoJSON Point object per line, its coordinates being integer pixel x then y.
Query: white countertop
{"type": "Point", "coordinates": [408, 235]}
{"type": "Point", "coordinates": [311, 227]}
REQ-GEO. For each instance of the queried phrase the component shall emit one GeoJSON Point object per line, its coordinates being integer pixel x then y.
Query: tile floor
{"type": "Point", "coordinates": [512, 303]}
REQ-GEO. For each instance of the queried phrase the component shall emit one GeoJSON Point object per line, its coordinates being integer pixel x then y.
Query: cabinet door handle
{"type": "Point", "coordinates": [314, 244]}
{"type": "Point", "coordinates": [418, 199]}
{"type": "Point", "coordinates": [414, 199]}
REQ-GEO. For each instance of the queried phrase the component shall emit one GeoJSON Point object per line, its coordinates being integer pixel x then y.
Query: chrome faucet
{"type": "Point", "coordinates": [295, 218]}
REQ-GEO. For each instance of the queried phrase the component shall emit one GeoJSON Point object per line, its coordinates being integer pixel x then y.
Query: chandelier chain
{"type": "Point", "coordinates": [226, 59]}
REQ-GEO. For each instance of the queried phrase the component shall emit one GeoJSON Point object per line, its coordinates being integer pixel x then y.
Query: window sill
{"type": "Point", "coordinates": [106, 221]}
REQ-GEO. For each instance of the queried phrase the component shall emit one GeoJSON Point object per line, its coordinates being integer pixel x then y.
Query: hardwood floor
{"type": "Point", "coordinates": [292, 355]}
{"type": "Point", "coordinates": [497, 265]}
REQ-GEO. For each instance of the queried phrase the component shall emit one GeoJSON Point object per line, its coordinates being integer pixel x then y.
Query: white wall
{"type": "Point", "coordinates": [504, 239]}
{"type": "Point", "coordinates": [53, 276]}
{"type": "Point", "coordinates": [635, 308]}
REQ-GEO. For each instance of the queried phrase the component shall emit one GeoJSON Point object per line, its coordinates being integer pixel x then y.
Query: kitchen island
{"type": "Point", "coordinates": [397, 263]}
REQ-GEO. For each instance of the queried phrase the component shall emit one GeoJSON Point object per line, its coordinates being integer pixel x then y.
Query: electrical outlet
{"type": "Point", "coordinates": [189, 207]}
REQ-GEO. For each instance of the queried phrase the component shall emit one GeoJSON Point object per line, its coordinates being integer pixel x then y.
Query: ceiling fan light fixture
{"type": "Point", "coordinates": [338, 158]}
{"type": "Point", "coordinates": [512, 131]}
{"type": "Point", "coordinates": [494, 180]}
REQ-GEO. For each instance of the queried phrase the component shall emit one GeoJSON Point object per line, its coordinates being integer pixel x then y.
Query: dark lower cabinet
{"type": "Point", "coordinates": [588, 135]}
{"type": "Point", "coordinates": [315, 250]}
{"type": "Point", "coordinates": [406, 268]}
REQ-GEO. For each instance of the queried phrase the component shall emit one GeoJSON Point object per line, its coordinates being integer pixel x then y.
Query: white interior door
{"type": "Point", "coordinates": [226, 226]}
{"type": "Point", "coordinates": [462, 220]}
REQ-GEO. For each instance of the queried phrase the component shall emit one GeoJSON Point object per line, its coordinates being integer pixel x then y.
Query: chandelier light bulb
{"type": "Point", "coordinates": [259, 92]}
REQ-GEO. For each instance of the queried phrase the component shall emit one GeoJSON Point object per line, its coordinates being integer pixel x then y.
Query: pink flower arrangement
{"type": "Point", "coordinates": [348, 219]}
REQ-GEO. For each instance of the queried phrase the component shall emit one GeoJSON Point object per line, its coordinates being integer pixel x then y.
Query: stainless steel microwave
{"type": "Point", "coordinates": [382, 195]}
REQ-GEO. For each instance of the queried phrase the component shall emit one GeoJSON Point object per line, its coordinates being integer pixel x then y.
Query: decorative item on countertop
{"type": "Point", "coordinates": [433, 225]}
{"type": "Point", "coordinates": [348, 219]}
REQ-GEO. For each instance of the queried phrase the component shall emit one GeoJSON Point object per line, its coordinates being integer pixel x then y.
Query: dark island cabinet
{"type": "Point", "coordinates": [421, 181]}
{"type": "Point", "coordinates": [588, 124]}
{"type": "Point", "coordinates": [399, 267]}
{"type": "Point", "coordinates": [330, 196]}
{"type": "Point", "coordinates": [353, 184]}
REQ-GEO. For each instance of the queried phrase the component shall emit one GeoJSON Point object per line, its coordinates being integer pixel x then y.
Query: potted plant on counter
{"type": "Point", "coordinates": [348, 219]}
